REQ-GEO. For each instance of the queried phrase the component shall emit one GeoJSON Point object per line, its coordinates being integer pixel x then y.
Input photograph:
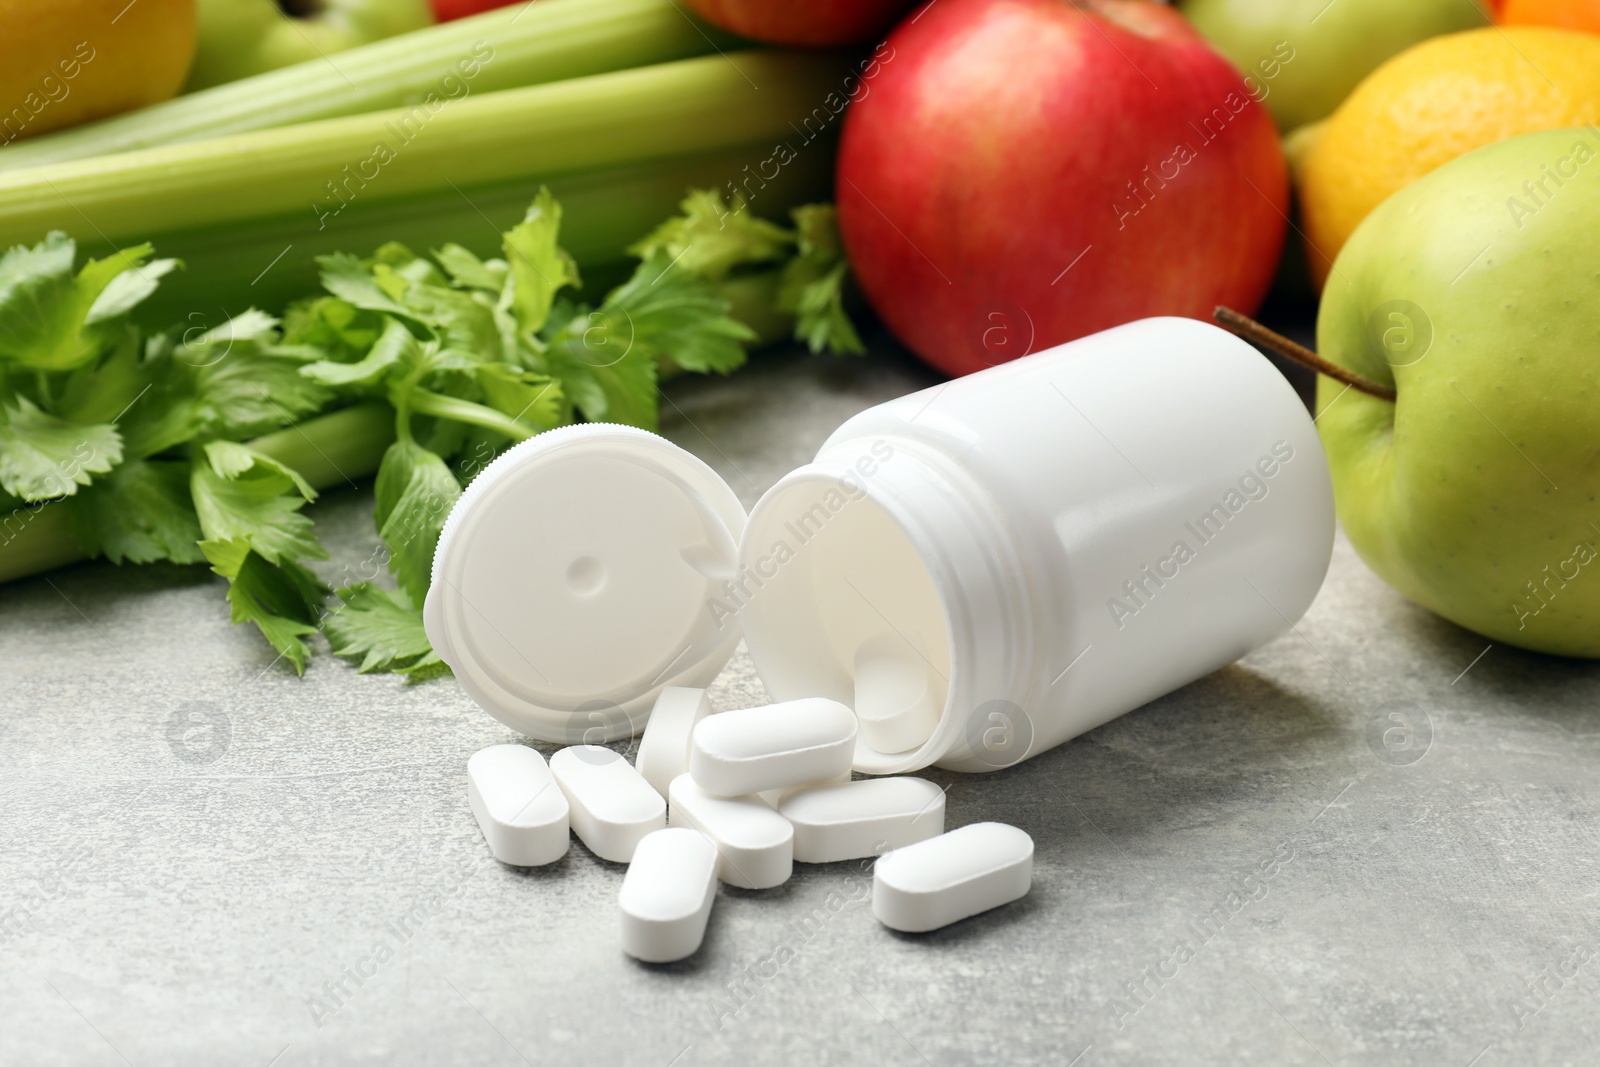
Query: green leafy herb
{"type": "Point", "coordinates": [139, 513]}
{"type": "Point", "coordinates": [188, 444]}
{"type": "Point", "coordinates": [381, 628]}
{"type": "Point", "coordinates": [283, 599]}
{"type": "Point", "coordinates": [718, 240]}
{"type": "Point", "coordinates": [53, 319]}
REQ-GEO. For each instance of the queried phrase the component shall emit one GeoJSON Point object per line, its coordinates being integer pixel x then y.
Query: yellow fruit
{"type": "Point", "coordinates": [1430, 104]}
{"type": "Point", "coordinates": [63, 62]}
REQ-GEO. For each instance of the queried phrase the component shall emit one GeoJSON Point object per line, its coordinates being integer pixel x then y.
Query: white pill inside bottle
{"type": "Point", "coordinates": [896, 696]}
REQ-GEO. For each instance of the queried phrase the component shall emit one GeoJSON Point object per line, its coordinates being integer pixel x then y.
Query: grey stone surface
{"type": "Point", "coordinates": [1262, 868]}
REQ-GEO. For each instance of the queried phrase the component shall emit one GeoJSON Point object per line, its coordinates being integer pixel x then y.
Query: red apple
{"type": "Point", "coordinates": [812, 23]}
{"type": "Point", "coordinates": [1019, 173]}
{"type": "Point", "coordinates": [446, 10]}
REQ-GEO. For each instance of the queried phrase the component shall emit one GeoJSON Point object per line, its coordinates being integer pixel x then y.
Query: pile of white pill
{"type": "Point", "coordinates": [740, 796]}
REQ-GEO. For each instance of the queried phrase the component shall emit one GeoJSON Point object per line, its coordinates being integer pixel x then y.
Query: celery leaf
{"type": "Point", "coordinates": [609, 381]}
{"type": "Point", "coordinates": [340, 329]}
{"type": "Point", "coordinates": [246, 383]}
{"type": "Point", "coordinates": [53, 319]}
{"type": "Point", "coordinates": [532, 399]}
{"type": "Point", "coordinates": [395, 347]}
{"type": "Point", "coordinates": [283, 599]}
{"type": "Point", "coordinates": [382, 629]}
{"type": "Point", "coordinates": [812, 285]}
{"type": "Point", "coordinates": [661, 312]}
{"type": "Point", "coordinates": [43, 457]}
{"type": "Point", "coordinates": [140, 512]}
{"type": "Point", "coordinates": [351, 280]}
{"type": "Point", "coordinates": [467, 271]}
{"type": "Point", "coordinates": [711, 237]}
{"type": "Point", "coordinates": [415, 491]}
{"type": "Point", "coordinates": [241, 495]}
{"type": "Point", "coordinates": [539, 266]}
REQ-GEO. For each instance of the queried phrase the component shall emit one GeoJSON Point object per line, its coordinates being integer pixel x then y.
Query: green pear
{"type": "Point", "coordinates": [1474, 293]}
{"type": "Point", "coordinates": [1302, 57]}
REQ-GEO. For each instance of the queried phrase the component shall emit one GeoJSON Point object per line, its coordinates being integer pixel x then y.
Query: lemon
{"type": "Point", "coordinates": [1428, 105]}
{"type": "Point", "coordinates": [63, 62]}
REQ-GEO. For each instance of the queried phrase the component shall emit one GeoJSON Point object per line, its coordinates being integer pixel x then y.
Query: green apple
{"type": "Point", "coordinates": [1302, 57]}
{"type": "Point", "coordinates": [238, 38]}
{"type": "Point", "coordinates": [1474, 293]}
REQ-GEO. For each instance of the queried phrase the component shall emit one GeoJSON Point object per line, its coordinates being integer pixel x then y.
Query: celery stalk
{"type": "Point", "coordinates": [527, 44]}
{"type": "Point", "coordinates": [268, 262]}
{"type": "Point", "coordinates": [691, 106]}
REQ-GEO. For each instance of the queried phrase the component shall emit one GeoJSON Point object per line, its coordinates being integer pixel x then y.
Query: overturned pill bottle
{"type": "Point", "coordinates": [982, 569]}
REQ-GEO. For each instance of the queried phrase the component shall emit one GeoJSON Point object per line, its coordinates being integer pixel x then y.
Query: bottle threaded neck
{"type": "Point", "coordinates": [885, 535]}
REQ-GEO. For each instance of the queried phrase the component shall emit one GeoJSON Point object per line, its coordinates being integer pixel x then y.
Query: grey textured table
{"type": "Point", "coordinates": [1365, 843]}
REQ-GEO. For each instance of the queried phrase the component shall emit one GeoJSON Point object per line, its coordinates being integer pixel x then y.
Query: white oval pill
{"type": "Point", "coordinates": [666, 895]}
{"type": "Point", "coordinates": [613, 807]}
{"type": "Point", "coordinates": [897, 703]}
{"type": "Point", "coordinates": [519, 807]}
{"type": "Point", "coordinates": [664, 748]}
{"type": "Point", "coordinates": [935, 882]}
{"type": "Point", "coordinates": [865, 818]}
{"type": "Point", "coordinates": [755, 845]}
{"type": "Point", "coordinates": [793, 743]}
{"type": "Point", "coordinates": [774, 797]}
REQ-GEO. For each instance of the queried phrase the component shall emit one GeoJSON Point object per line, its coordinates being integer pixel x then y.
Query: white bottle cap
{"type": "Point", "coordinates": [577, 576]}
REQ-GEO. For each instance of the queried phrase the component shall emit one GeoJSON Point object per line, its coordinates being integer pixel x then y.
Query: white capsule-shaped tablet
{"type": "Point", "coordinates": [794, 743]}
{"type": "Point", "coordinates": [865, 818]}
{"type": "Point", "coordinates": [774, 797]}
{"type": "Point", "coordinates": [666, 895]}
{"type": "Point", "coordinates": [519, 807]}
{"type": "Point", "coordinates": [755, 845]}
{"type": "Point", "coordinates": [664, 748]}
{"type": "Point", "coordinates": [613, 807]}
{"type": "Point", "coordinates": [935, 882]}
{"type": "Point", "coordinates": [897, 703]}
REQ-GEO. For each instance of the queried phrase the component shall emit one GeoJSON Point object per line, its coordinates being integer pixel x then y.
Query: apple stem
{"type": "Point", "coordinates": [1251, 330]}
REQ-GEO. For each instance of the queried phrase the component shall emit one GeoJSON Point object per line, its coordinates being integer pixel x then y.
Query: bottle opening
{"type": "Point", "coordinates": [839, 603]}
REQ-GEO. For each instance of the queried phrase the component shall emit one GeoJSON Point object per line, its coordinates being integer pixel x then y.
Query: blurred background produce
{"type": "Point", "coordinates": [806, 23]}
{"type": "Point", "coordinates": [71, 61]}
{"type": "Point", "coordinates": [446, 10]}
{"type": "Point", "coordinates": [1566, 14]}
{"type": "Point", "coordinates": [1304, 56]}
{"type": "Point", "coordinates": [1429, 105]}
{"type": "Point", "coordinates": [238, 38]}
{"type": "Point", "coordinates": [507, 49]}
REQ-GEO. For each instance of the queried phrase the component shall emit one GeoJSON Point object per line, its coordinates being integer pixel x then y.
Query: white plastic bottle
{"type": "Point", "coordinates": [1060, 539]}
{"type": "Point", "coordinates": [1008, 559]}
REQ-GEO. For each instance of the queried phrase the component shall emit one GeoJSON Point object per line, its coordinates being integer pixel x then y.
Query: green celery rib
{"type": "Point", "coordinates": [334, 449]}
{"type": "Point", "coordinates": [531, 44]}
{"type": "Point", "coordinates": [694, 105]}
{"type": "Point", "coordinates": [269, 262]}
